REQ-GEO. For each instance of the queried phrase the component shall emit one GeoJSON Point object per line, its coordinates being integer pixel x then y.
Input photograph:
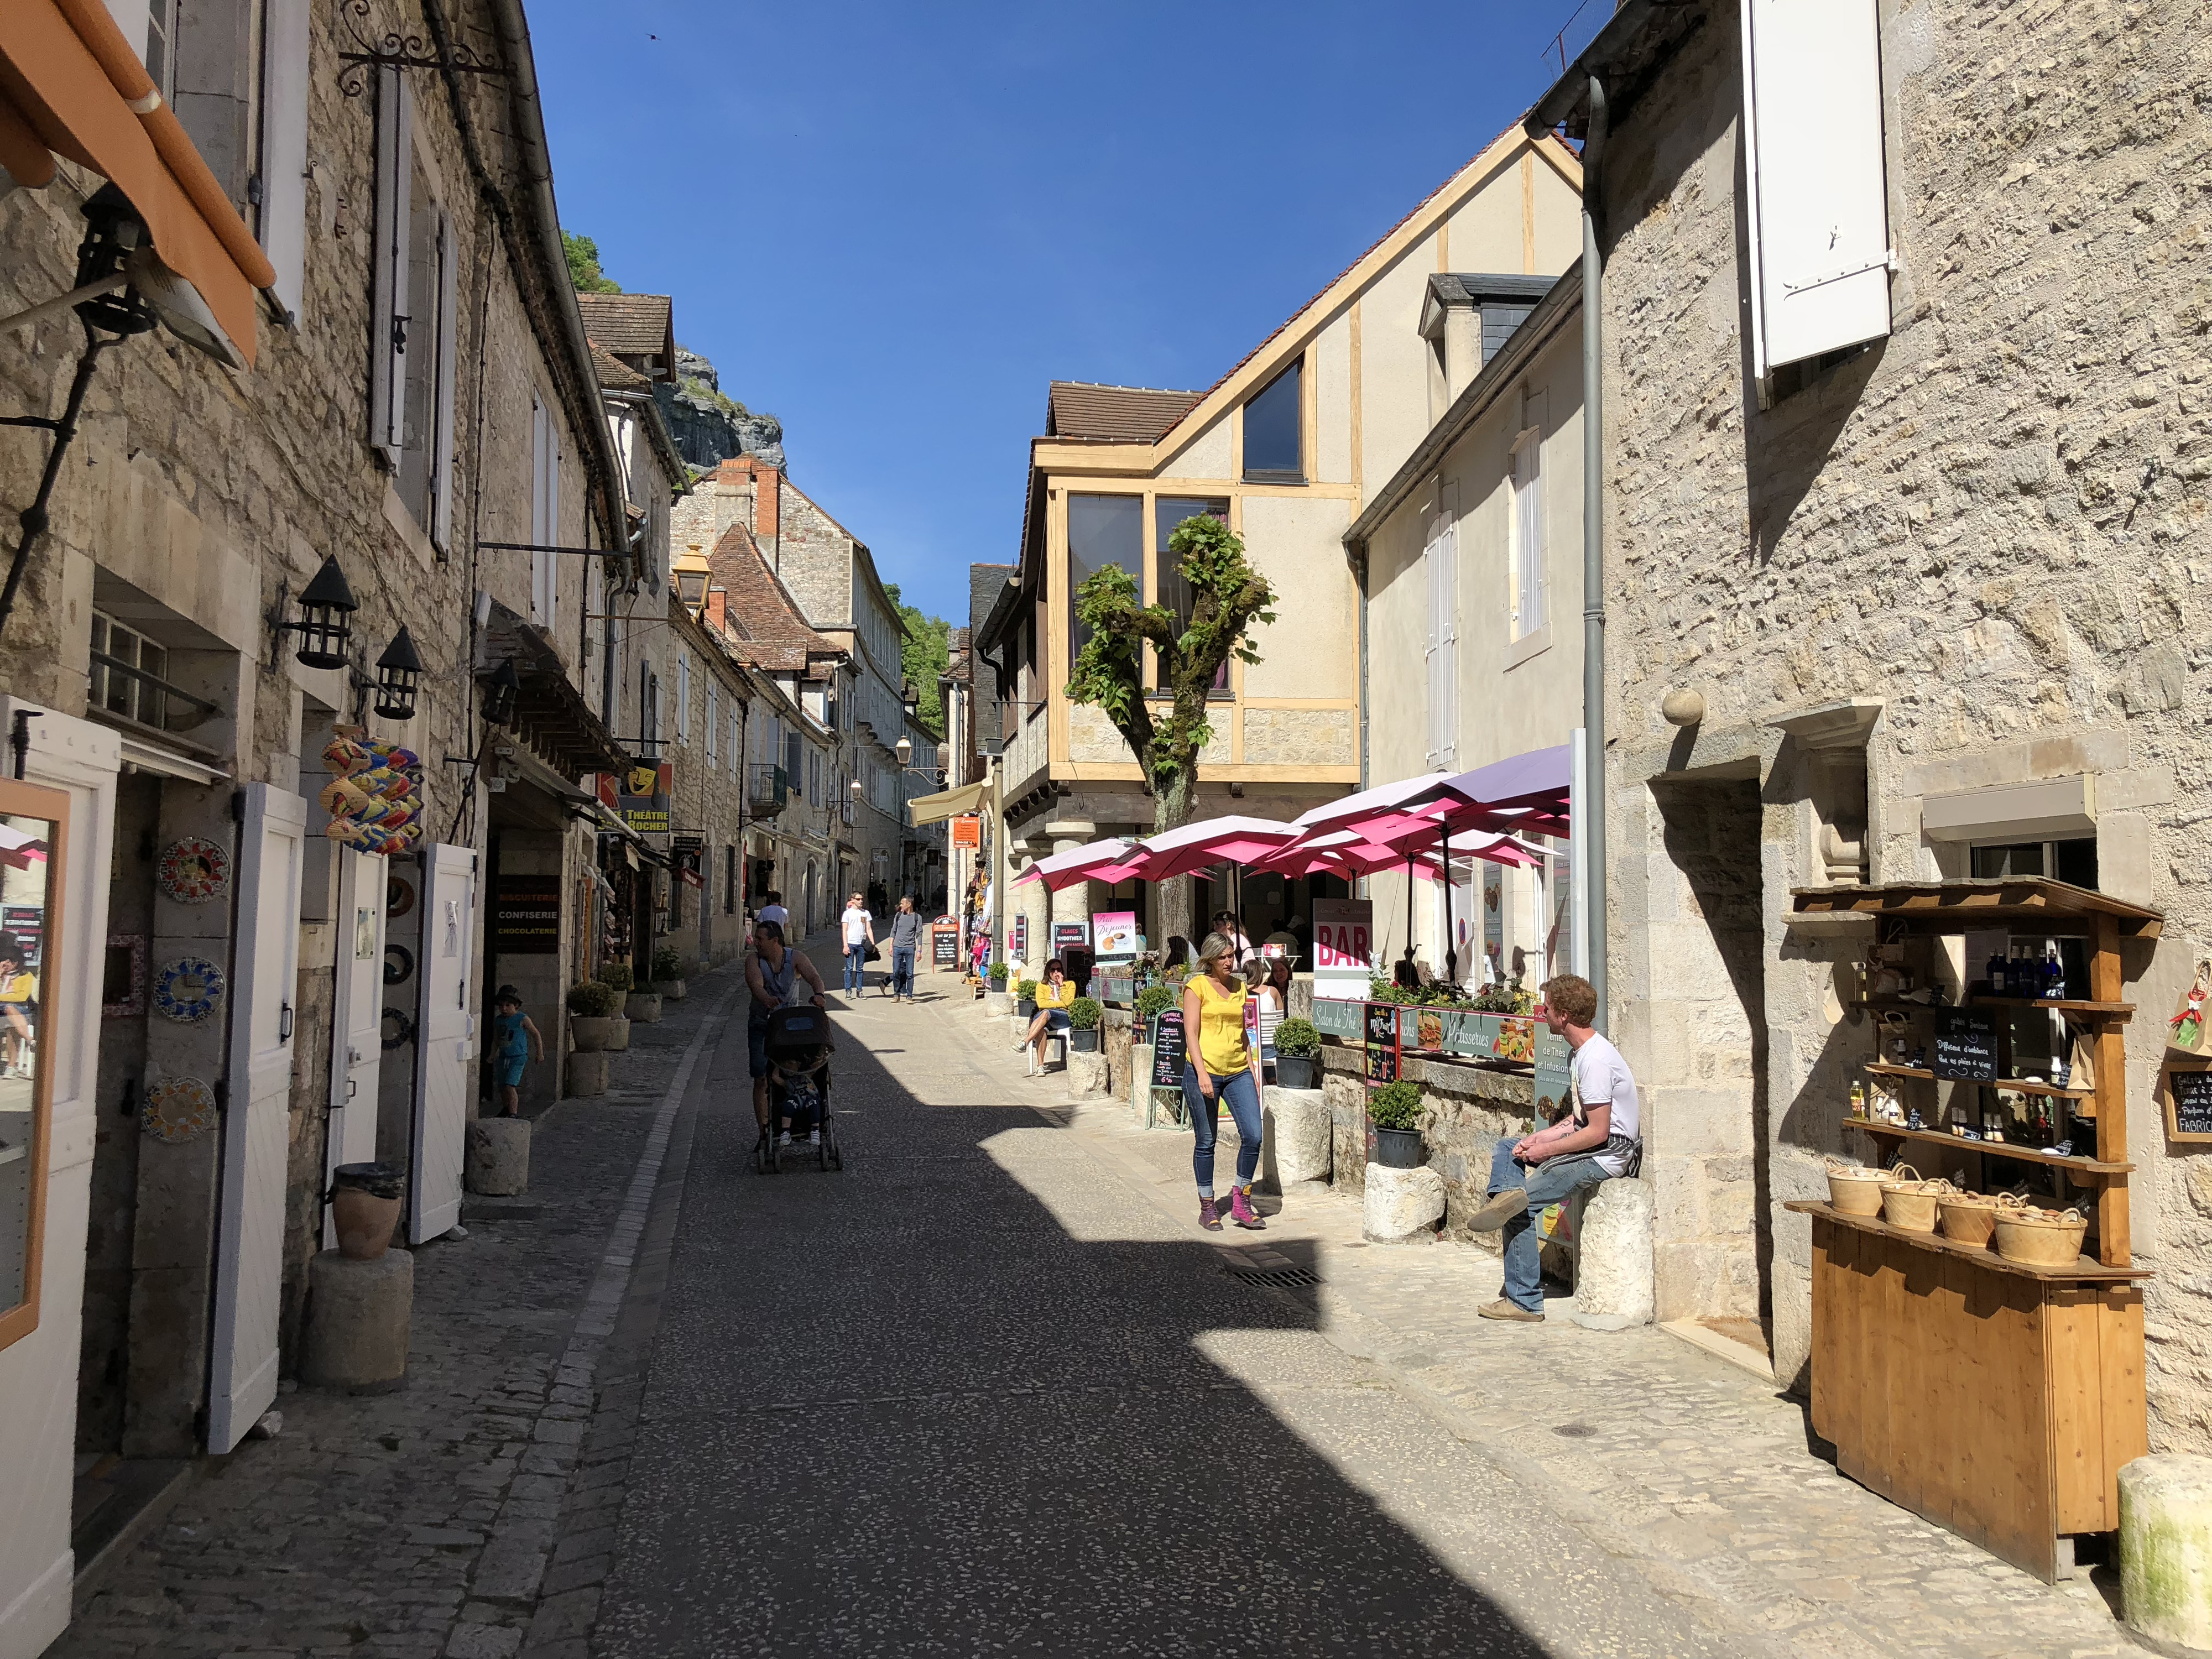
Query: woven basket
{"type": "Point", "coordinates": [1853, 1188]}
{"type": "Point", "coordinates": [1967, 1218]}
{"type": "Point", "coordinates": [2039, 1238]}
{"type": "Point", "coordinates": [1908, 1203]}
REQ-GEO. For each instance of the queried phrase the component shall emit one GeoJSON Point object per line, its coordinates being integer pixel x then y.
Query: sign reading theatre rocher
{"type": "Point", "coordinates": [644, 798]}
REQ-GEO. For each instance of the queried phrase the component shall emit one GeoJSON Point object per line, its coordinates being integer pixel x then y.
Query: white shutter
{"type": "Point", "coordinates": [1529, 576]}
{"type": "Point", "coordinates": [445, 1042]}
{"type": "Point", "coordinates": [1429, 657]}
{"type": "Point", "coordinates": [281, 224]}
{"type": "Point", "coordinates": [357, 1017]}
{"type": "Point", "coordinates": [395, 179]}
{"type": "Point", "coordinates": [1819, 220]}
{"type": "Point", "coordinates": [684, 697]}
{"type": "Point", "coordinates": [1443, 558]}
{"type": "Point", "coordinates": [441, 460]}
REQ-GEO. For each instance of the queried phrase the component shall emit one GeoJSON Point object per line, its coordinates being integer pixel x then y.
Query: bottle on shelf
{"type": "Point", "coordinates": [2054, 974]}
{"type": "Point", "coordinates": [1858, 1100]}
{"type": "Point", "coordinates": [1998, 974]}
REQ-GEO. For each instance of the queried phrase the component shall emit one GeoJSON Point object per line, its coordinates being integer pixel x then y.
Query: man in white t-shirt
{"type": "Point", "coordinates": [1601, 1137]}
{"type": "Point", "coordinates": [774, 911]}
{"type": "Point", "coordinates": [858, 928]}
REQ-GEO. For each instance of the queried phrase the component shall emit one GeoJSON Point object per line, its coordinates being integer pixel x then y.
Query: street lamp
{"type": "Point", "coordinates": [691, 573]}
{"type": "Point", "coordinates": [904, 749]}
{"type": "Point", "coordinates": [327, 608]}
{"type": "Point", "coordinates": [399, 673]}
{"type": "Point", "coordinates": [501, 692]}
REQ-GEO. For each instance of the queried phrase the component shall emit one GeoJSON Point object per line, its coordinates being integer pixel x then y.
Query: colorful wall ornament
{"type": "Point", "coordinates": [193, 870]}
{"type": "Point", "coordinates": [188, 990]}
{"type": "Point", "coordinates": [178, 1109]}
{"type": "Point", "coordinates": [375, 801]}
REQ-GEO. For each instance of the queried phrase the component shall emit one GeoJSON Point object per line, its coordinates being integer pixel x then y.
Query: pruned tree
{"type": "Point", "coordinates": [1227, 597]}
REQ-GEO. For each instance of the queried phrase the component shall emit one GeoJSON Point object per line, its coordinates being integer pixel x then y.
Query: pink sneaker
{"type": "Point", "coordinates": [1208, 1216]}
{"type": "Point", "coordinates": [1241, 1211]}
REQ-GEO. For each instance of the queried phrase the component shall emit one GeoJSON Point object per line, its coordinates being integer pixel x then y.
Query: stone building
{"type": "Point", "coordinates": [1286, 447]}
{"type": "Point", "coordinates": [1903, 506]}
{"type": "Point", "coordinates": [371, 365]}
{"type": "Point", "coordinates": [705, 912]}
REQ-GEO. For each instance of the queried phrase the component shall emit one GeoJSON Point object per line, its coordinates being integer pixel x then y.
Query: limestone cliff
{"type": "Point", "coordinates": [709, 425]}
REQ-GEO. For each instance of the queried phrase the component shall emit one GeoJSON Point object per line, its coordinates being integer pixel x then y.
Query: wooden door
{"type": "Point", "coordinates": [257, 1119]}
{"type": "Point", "coordinates": [357, 1016]}
{"type": "Point", "coordinates": [445, 1040]}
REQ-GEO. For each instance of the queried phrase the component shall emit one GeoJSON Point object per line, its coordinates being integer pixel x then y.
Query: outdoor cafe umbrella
{"type": "Point", "coordinates": [1235, 840]}
{"type": "Point", "coordinates": [1083, 863]}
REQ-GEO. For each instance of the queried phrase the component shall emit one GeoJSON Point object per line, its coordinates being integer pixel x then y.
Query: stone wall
{"type": "Point", "coordinates": [1464, 1110]}
{"type": "Point", "coordinates": [1991, 522]}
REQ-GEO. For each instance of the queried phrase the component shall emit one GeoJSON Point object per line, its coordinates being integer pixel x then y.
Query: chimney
{"type": "Point", "coordinates": [767, 487]}
{"type": "Point", "coordinates": [717, 602]}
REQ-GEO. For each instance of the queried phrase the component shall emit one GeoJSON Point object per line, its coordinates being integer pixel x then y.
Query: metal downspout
{"type": "Point", "coordinates": [1592, 851]}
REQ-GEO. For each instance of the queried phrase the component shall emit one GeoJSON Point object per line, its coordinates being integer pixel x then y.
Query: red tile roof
{"type": "Point", "coordinates": [1119, 414]}
{"type": "Point", "coordinates": [772, 633]}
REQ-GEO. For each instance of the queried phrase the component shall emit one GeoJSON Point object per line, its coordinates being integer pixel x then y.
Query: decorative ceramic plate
{"type": "Point", "coordinates": [194, 870]}
{"type": "Point", "coordinates": [178, 1109]}
{"type": "Point", "coordinates": [188, 990]}
{"type": "Point", "coordinates": [398, 895]}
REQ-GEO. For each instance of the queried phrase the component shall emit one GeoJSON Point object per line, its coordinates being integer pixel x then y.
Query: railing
{"type": "Point", "coordinates": [767, 788]}
{"type": "Point", "coordinates": [1023, 764]}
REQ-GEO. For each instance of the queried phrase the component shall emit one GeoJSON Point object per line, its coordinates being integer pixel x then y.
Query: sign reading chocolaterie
{"type": "Point", "coordinates": [1966, 1045]}
{"type": "Point", "coordinates": [526, 916]}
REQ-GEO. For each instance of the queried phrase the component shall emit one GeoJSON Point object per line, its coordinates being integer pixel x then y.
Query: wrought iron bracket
{"type": "Point", "coordinates": [396, 50]}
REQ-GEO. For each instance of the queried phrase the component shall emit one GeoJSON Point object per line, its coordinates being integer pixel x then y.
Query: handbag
{"type": "Point", "coordinates": [873, 955]}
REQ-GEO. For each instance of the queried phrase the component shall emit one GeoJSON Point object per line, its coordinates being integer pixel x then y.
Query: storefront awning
{"type": "Point", "coordinates": [949, 804]}
{"type": "Point", "coordinates": [71, 85]}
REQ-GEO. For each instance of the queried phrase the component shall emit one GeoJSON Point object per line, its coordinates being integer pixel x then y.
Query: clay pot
{"type": "Point", "coordinates": [365, 1201]}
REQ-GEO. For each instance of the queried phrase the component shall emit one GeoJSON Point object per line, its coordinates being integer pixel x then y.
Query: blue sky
{"type": "Point", "coordinates": [891, 225]}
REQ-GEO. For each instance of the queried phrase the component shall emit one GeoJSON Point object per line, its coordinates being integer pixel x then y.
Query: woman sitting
{"type": "Point", "coordinates": [1055, 994]}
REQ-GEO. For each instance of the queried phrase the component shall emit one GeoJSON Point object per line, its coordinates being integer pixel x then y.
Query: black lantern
{"type": "Point", "coordinates": [398, 672]}
{"type": "Point", "coordinates": [499, 693]}
{"type": "Point", "coordinates": [327, 608]}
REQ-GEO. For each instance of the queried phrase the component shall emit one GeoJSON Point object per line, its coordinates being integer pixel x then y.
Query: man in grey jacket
{"type": "Point", "coordinates": [906, 939]}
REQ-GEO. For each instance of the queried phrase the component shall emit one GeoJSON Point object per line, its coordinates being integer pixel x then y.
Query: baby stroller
{"type": "Point", "coordinates": [798, 1045]}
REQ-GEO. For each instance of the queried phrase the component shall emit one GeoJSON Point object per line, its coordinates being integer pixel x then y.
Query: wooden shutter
{"type": "Point", "coordinates": [1429, 659]}
{"type": "Point", "coordinates": [1818, 212]}
{"type": "Point", "coordinates": [1443, 560]}
{"type": "Point", "coordinates": [442, 453]}
{"type": "Point", "coordinates": [445, 1042]}
{"type": "Point", "coordinates": [395, 179]}
{"type": "Point", "coordinates": [281, 220]}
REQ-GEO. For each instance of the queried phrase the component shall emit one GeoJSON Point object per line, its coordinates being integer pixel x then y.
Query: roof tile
{"type": "Point", "coordinates": [1119, 414]}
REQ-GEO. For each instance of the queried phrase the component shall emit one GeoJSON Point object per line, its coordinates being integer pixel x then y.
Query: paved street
{"type": "Point", "coordinates": [989, 1389]}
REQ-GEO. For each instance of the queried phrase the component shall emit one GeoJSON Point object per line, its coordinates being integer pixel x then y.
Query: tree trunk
{"type": "Point", "coordinates": [1171, 804]}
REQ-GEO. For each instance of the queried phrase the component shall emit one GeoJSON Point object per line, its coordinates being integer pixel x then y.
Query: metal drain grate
{"type": "Point", "coordinates": [1573, 1431]}
{"type": "Point", "coordinates": [1285, 1278]}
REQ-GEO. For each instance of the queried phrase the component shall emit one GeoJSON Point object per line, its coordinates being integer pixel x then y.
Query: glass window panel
{"type": "Point", "coordinates": [1169, 588]}
{"type": "Point", "coordinates": [23, 872]}
{"type": "Point", "coordinates": [2075, 862]}
{"type": "Point", "coordinates": [152, 702]}
{"type": "Point", "coordinates": [1272, 431]}
{"type": "Point", "coordinates": [1102, 531]}
{"type": "Point", "coordinates": [2022, 859]}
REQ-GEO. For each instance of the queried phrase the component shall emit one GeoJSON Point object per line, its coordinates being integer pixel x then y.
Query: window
{"type": "Point", "coordinates": [545, 518]}
{"type": "Point", "coordinates": [1441, 559]}
{"type": "Point", "coordinates": [2073, 860]}
{"type": "Point", "coordinates": [737, 737]}
{"type": "Point", "coordinates": [1273, 428]}
{"type": "Point", "coordinates": [1102, 530]}
{"type": "Point", "coordinates": [729, 881]}
{"type": "Point", "coordinates": [683, 696]}
{"type": "Point", "coordinates": [121, 693]}
{"type": "Point", "coordinates": [161, 57]}
{"type": "Point", "coordinates": [1169, 588]}
{"type": "Point", "coordinates": [790, 765]}
{"type": "Point", "coordinates": [413, 281]}
{"type": "Point", "coordinates": [1529, 576]}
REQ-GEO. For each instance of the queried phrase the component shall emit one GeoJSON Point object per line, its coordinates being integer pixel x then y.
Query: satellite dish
{"type": "Point", "coordinates": [179, 305]}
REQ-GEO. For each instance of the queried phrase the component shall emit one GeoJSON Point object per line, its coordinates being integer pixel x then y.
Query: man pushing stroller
{"type": "Point", "coordinates": [781, 1063]}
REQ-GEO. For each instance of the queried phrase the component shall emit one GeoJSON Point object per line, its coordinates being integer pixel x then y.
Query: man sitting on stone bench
{"type": "Point", "coordinates": [1598, 1138]}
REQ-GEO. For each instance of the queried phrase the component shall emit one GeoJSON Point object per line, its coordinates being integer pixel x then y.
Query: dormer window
{"type": "Point", "coordinates": [1274, 430]}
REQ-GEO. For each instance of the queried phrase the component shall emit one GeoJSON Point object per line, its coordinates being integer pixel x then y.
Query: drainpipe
{"type": "Point", "coordinates": [1360, 581]}
{"type": "Point", "coordinates": [1592, 830]}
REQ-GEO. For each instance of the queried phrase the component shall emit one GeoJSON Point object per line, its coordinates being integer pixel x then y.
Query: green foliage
{"type": "Point", "coordinates": [590, 999]}
{"type": "Point", "coordinates": [1394, 1105]}
{"type": "Point", "coordinates": [1025, 991]}
{"type": "Point", "coordinates": [1155, 999]}
{"type": "Point", "coordinates": [996, 973]}
{"type": "Point", "coordinates": [1298, 1039]}
{"type": "Point", "coordinates": [923, 655]}
{"type": "Point", "coordinates": [618, 974]}
{"type": "Point", "coordinates": [1084, 1013]}
{"type": "Point", "coordinates": [584, 270]}
{"type": "Point", "coordinates": [714, 397]}
{"type": "Point", "coordinates": [667, 963]}
{"type": "Point", "coordinates": [1510, 998]}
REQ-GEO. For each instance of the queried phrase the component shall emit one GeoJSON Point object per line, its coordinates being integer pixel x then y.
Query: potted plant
{"type": "Point", "coordinates": [1151, 1001]}
{"type": "Point", "coordinates": [636, 1004]}
{"type": "Point", "coordinates": [995, 1001]}
{"type": "Point", "coordinates": [595, 1019]}
{"type": "Point", "coordinates": [1025, 999]}
{"type": "Point", "coordinates": [1395, 1110]}
{"type": "Point", "coordinates": [1297, 1055]}
{"type": "Point", "coordinates": [1082, 1017]}
{"type": "Point", "coordinates": [669, 974]}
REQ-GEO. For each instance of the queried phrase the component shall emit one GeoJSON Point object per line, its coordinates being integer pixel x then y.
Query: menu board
{"type": "Point", "coordinates": [1070, 936]}
{"type": "Point", "coordinates": [1966, 1045]}
{"type": "Point", "coordinates": [1118, 938]}
{"type": "Point", "coordinates": [1168, 1050]}
{"type": "Point", "coordinates": [2188, 1103]}
{"type": "Point", "coordinates": [1382, 1063]}
{"type": "Point", "coordinates": [945, 948]}
{"type": "Point", "coordinates": [1382, 1034]}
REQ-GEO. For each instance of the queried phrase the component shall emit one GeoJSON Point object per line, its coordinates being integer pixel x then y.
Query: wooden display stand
{"type": "Point", "coordinates": [1995, 1399]}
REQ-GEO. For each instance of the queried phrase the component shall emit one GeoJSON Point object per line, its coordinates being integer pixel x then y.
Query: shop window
{"type": "Point", "coordinates": [34, 828]}
{"type": "Point", "coordinates": [1273, 427]}
{"type": "Point", "coordinates": [2073, 860]}
{"type": "Point", "coordinates": [1102, 531]}
{"type": "Point", "coordinates": [1168, 587]}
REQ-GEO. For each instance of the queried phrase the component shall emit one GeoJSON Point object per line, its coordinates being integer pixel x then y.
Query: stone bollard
{"type": "Point", "coordinates": [1087, 1073]}
{"type": "Point", "coordinates": [1141, 1080]}
{"type": "Point", "coordinates": [998, 1005]}
{"type": "Point", "coordinates": [587, 1073]}
{"type": "Point", "coordinates": [1613, 1257]}
{"type": "Point", "coordinates": [2166, 1550]}
{"type": "Point", "coordinates": [1402, 1205]}
{"type": "Point", "coordinates": [1295, 1153]}
{"type": "Point", "coordinates": [643, 1006]}
{"type": "Point", "coordinates": [498, 1156]}
{"type": "Point", "coordinates": [359, 1315]}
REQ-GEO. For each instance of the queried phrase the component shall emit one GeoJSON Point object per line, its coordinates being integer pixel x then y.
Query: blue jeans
{"type": "Point", "coordinates": [1545, 1183]}
{"type": "Point", "coordinates": [902, 970]}
{"type": "Point", "coordinates": [1242, 1098]}
{"type": "Point", "coordinates": [856, 970]}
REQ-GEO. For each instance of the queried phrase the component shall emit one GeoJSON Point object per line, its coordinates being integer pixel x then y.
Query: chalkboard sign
{"type": "Point", "coordinates": [1966, 1045]}
{"type": "Point", "coordinates": [945, 948]}
{"type": "Point", "coordinates": [1382, 1063]}
{"type": "Point", "coordinates": [2188, 1103]}
{"type": "Point", "coordinates": [1383, 1023]}
{"type": "Point", "coordinates": [1167, 1050]}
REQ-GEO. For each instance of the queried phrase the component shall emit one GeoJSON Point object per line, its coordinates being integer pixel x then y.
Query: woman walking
{"type": "Point", "coordinates": [1221, 1065]}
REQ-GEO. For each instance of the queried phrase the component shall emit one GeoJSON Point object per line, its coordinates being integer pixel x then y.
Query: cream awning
{"type": "Point", "coordinates": [949, 804]}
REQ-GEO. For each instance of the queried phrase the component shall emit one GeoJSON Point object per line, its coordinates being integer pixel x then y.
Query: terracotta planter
{"type": "Point", "coordinates": [642, 1005]}
{"type": "Point", "coordinates": [365, 1200]}
{"type": "Point", "coordinates": [593, 1033]}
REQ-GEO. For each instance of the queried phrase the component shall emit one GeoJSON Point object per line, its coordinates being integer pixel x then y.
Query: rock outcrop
{"type": "Point", "coordinates": [709, 425]}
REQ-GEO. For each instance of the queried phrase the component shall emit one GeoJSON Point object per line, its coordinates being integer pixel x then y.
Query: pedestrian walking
{"type": "Point", "coordinates": [1599, 1139]}
{"type": "Point", "coordinates": [772, 976]}
{"type": "Point", "coordinates": [515, 1042]}
{"type": "Point", "coordinates": [905, 940]}
{"type": "Point", "coordinates": [859, 928]}
{"type": "Point", "coordinates": [774, 910]}
{"type": "Point", "coordinates": [1220, 1065]}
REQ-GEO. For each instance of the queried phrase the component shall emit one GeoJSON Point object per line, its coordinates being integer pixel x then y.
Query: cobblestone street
{"type": "Point", "coordinates": [990, 1389]}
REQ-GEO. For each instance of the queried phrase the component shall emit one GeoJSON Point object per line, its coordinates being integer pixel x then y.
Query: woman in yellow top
{"type": "Point", "coordinates": [1055, 994]}
{"type": "Point", "coordinates": [1220, 1065]}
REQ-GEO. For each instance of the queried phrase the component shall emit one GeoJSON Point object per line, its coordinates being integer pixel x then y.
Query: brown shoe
{"type": "Point", "coordinates": [1502, 1308]}
{"type": "Point", "coordinates": [1498, 1209]}
{"type": "Point", "coordinates": [1208, 1216]}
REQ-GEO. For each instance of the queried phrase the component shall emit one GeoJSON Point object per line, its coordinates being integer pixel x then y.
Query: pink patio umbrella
{"type": "Point", "coordinates": [1088, 862]}
{"type": "Point", "coordinates": [1235, 840]}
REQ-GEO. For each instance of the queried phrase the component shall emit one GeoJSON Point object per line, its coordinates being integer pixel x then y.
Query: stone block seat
{"type": "Point", "coordinates": [1604, 1233]}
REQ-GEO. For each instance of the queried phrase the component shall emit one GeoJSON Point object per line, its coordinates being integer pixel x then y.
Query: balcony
{"type": "Point", "coordinates": [767, 788]}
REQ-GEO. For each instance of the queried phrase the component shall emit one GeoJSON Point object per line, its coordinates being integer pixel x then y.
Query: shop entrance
{"type": "Point", "coordinates": [1708, 1139]}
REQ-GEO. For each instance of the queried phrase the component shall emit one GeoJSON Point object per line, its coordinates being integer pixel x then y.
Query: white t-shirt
{"type": "Point", "coordinates": [1601, 1079]}
{"type": "Point", "coordinates": [776, 914]}
{"type": "Point", "coordinates": [856, 921]}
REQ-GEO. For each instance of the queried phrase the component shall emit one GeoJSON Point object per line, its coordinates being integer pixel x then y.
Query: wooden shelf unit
{"type": "Point", "coordinates": [2018, 1086]}
{"type": "Point", "coordinates": [1996, 1400]}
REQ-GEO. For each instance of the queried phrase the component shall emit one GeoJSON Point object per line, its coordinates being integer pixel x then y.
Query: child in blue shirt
{"type": "Point", "coordinates": [514, 1041]}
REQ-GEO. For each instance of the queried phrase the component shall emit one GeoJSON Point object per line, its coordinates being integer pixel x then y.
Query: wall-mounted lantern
{"type": "Point", "coordinates": [691, 573]}
{"type": "Point", "coordinates": [327, 608]}
{"type": "Point", "coordinates": [399, 675]}
{"type": "Point", "coordinates": [501, 691]}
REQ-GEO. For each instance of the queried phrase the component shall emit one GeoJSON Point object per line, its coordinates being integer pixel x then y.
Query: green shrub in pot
{"type": "Point", "coordinates": [667, 964]}
{"type": "Point", "coordinates": [1394, 1105]}
{"type": "Point", "coordinates": [1025, 991]}
{"type": "Point", "coordinates": [618, 974]}
{"type": "Point", "coordinates": [594, 998]}
{"type": "Point", "coordinates": [1084, 1013]}
{"type": "Point", "coordinates": [1298, 1039]}
{"type": "Point", "coordinates": [1154, 1000]}
{"type": "Point", "coordinates": [997, 974]}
